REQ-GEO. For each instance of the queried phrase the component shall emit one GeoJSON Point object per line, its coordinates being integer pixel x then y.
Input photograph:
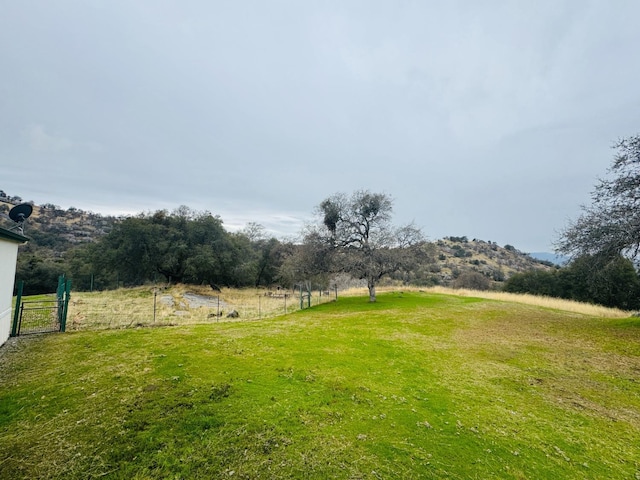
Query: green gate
{"type": "Point", "coordinates": [44, 315]}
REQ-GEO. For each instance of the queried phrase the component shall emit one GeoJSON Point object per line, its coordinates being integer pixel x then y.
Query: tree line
{"type": "Point", "coordinates": [352, 235]}
{"type": "Point", "coordinates": [178, 246]}
{"type": "Point", "coordinates": [609, 281]}
{"type": "Point", "coordinates": [182, 246]}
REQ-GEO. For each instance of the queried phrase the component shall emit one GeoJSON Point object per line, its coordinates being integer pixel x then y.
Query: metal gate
{"type": "Point", "coordinates": [39, 316]}
{"type": "Point", "coordinates": [43, 315]}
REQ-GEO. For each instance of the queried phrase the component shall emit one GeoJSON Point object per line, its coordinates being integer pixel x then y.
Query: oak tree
{"type": "Point", "coordinates": [610, 226]}
{"type": "Point", "coordinates": [355, 235]}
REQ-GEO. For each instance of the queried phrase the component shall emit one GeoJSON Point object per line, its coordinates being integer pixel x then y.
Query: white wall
{"type": "Point", "coordinates": [8, 256]}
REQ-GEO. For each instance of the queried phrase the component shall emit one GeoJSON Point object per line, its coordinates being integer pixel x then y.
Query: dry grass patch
{"type": "Point", "coordinates": [535, 300]}
{"type": "Point", "coordinates": [178, 305]}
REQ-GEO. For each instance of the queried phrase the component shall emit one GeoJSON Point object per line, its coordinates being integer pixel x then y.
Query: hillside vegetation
{"type": "Point", "coordinates": [61, 242]}
{"type": "Point", "coordinates": [51, 227]}
{"type": "Point", "coordinates": [457, 255]}
{"type": "Point", "coordinates": [417, 385]}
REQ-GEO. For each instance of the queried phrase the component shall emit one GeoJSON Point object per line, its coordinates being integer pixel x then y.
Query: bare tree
{"type": "Point", "coordinates": [355, 235]}
{"type": "Point", "coordinates": [611, 224]}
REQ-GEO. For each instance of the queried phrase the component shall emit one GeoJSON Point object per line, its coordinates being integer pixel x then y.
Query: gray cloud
{"type": "Point", "coordinates": [41, 141]}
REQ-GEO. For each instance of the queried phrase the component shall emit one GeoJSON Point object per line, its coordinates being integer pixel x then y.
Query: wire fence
{"type": "Point", "coordinates": [154, 306]}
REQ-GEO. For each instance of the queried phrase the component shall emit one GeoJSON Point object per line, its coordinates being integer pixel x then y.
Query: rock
{"type": "Point", "coordinates": [167, 300]}
{"type": "Point", "coordinates": [196, 301]}
{"type": "Point", "coordinates": [233, 314]}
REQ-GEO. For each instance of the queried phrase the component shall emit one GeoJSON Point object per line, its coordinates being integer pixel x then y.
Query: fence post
{"type": "Point", "coordinates": [60, 298]}
{"type": "Point", "coordinates": [67, 296]}
{"type": "Point", "coordinates": [16, 311]}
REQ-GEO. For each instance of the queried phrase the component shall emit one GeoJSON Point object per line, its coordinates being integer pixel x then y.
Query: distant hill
{"type": "Point", "coordinates": [456, 255]}
{"type": "Point", "coordinates": [550, 257]}
{"type": "Point", "coordinates": [54, 231]}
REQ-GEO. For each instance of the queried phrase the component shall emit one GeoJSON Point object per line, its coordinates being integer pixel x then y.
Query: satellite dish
{"type": "Point", "coordinates": [19, 214]}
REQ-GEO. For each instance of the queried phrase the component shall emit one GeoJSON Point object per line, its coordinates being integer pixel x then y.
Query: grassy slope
{"type": "Point", "coordinates": [418, 385]}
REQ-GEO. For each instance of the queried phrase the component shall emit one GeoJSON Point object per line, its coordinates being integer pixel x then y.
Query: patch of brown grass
{"type": "Point", "coordinates": [134, 307]}
{"type": "Point", "coordinates": [535, 300]}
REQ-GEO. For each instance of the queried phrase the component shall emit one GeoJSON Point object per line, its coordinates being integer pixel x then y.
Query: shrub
{"type": "Point", "coordinates": [612, 282]}
{"type": "Point", "coordinates": [472, 281]}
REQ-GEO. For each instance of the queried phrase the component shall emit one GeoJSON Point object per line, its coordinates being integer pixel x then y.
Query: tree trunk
{"type": "Point", "coordinates": [372, 290]}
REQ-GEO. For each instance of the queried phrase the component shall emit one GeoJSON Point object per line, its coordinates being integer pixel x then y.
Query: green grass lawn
{"type": "Point", "coordinates": [417, 385]}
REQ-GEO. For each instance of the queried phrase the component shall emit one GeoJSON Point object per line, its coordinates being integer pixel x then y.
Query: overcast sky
{"type": "Point", "coordinates": [491, 119]}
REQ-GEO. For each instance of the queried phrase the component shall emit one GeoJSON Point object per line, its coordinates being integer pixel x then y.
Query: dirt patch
{"type": "Point", "coordinates": [12, 347]}
{"type": "Point", "coordinates": [196, 301]}
{"type": "Point", "coordinates": [167, 300]}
